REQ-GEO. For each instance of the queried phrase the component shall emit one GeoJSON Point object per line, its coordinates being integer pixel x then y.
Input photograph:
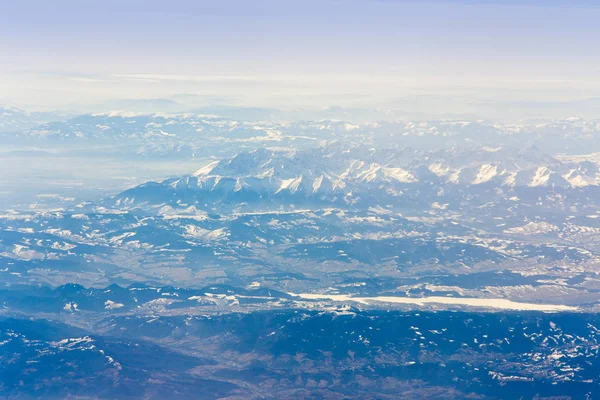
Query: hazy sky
{"type": "Point", "coordinates": [291, 53]}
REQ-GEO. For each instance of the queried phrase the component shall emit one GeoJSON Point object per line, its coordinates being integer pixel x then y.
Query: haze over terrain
{"type": "Point", "coordinates": [439, 58]}
{"type": "Point", "coordinates": [363, 199]}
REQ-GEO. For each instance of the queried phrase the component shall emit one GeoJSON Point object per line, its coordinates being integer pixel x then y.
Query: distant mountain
{"type": "Point", "coordinates": [241, 113]}
{"type": "Point", "coordinates": [361, 177]}
{"type": "Point", "coordinates": [14, 120]}
{"type": "Point", "coordinates": [183, 134]}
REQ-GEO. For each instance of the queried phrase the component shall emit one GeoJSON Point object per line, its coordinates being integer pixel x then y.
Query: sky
{"type": "Point", "coordinates": [279, 53]}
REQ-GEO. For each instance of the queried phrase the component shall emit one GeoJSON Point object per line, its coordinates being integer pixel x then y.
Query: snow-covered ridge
{"type": "Point", "coordinates": [340, 171]}
{"type": "Point", "coordinates": [121, 124]}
